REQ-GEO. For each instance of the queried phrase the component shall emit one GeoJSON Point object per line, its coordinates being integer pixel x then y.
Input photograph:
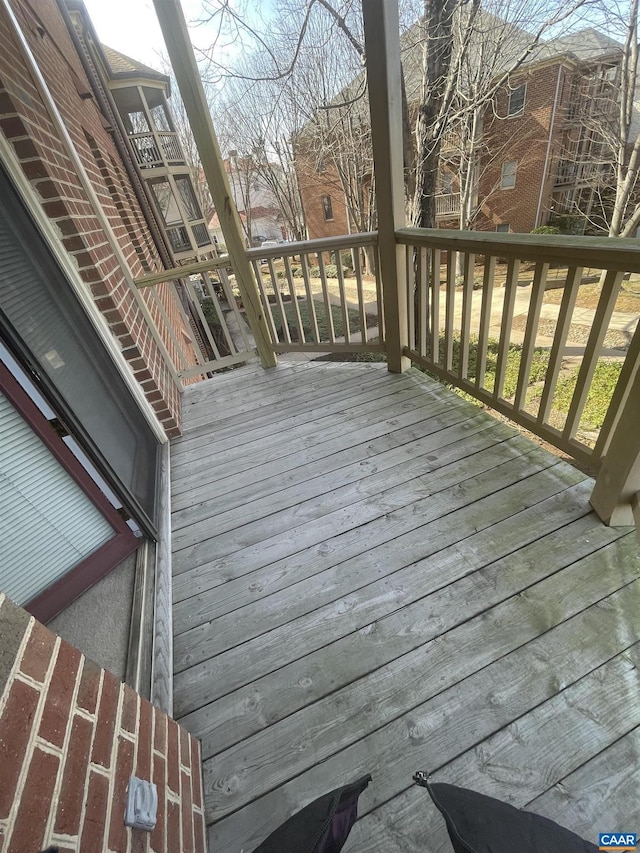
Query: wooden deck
{"type": "Point", "coordinates": [372, 575]}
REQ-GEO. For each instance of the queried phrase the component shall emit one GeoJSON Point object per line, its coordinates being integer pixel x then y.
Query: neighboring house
{"type": "Point", "coordinates": [539, 159]}
{"type": "Point", "coordinates": [215, 229]}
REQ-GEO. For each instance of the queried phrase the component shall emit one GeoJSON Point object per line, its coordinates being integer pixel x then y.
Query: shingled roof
{"type": "Point", "coordinates": [585, 45]}
{"type": "Point", "coordinates": [124, 66]}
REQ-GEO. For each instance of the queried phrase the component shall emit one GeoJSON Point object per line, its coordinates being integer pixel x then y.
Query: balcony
{"type": "Point", "coordinates": [448, 205]}
{"type": "Point", "coordinates": [157, 149]}
{"type": "Point", "coordinates": [373, 575]}
{"type": "Point", "coordinates": [573, 173]}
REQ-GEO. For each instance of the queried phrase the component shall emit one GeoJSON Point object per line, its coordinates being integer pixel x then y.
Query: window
{"type": "Point", "coordinates": [508, 177]}
{"type": "Point", "coordinates": [321, 165]}
{"type": "Point", "coordinates": [166, 201]}
{"type": "Point", "coordinates": [503, 228]}
{"type": "Point", "coordinates": [188, 198]}
{"type": "Point", "coordinates": [327, 208]}
{"type": "Point", "coordinates": [516, 100]}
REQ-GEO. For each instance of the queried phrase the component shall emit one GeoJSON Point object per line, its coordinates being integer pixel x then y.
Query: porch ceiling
{"type": "Point", "coordinates": [373, 575]}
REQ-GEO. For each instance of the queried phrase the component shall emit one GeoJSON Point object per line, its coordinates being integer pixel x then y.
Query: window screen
{"type": "Point", "coordinates": [42, 320]}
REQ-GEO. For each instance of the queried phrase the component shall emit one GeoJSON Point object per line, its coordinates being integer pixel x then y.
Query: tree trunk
{"type": "Point", "coordinates": [437, 61]}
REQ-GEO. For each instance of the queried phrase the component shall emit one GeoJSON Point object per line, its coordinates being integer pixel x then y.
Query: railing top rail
{"type": "Point", "coordinates": [176, 273]}
{"type": "Point", "coordinates": [322, 244]}
{"type": "Point", "coordinates": [145, 134]}
{"type": "Point", "coordinates": [622, 254]}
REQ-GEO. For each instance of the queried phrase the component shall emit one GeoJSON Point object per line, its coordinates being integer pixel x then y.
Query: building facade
{"type": "Point", "coordinates": [539, 156]}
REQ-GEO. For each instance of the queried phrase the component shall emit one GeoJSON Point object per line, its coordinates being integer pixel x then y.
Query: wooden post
{"type": "Point", "coordinates": [615, 495]}
{"type": "Point", "coordinates": [183, 61]}
{"type": "Point", "coordinates": [384, 75]}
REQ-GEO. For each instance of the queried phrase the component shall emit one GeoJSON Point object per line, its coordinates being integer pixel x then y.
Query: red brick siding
{"type": "Point", "coordinates": [313, 186]}
{"type": "Point", "coordinates": [523, 139]}
{"type": "Point", "coordinates": [70, 736]}
{"type": "Point", "coordinates": [26, 124]}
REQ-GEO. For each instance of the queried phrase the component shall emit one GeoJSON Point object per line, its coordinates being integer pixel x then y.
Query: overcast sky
{"type": "Point", "coordinates": [131, 27]}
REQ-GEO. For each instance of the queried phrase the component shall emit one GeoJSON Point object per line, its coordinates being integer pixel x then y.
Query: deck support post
{"type": "Point", "coordinates": [615, 496]}
{"type": "Point", "coordinates": [384, 77]}
{"type": "Point", "coordinates": [176, 37]}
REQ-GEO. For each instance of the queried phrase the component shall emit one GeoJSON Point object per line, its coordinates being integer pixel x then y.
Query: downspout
{"type": "Point", "coordinates": [58, 122]}
{"type": "Point", "coordinates": [543, 179]}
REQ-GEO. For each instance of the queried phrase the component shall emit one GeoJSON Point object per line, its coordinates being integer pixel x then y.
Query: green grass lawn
{"type": "Point", "coordinates": [321, 317]}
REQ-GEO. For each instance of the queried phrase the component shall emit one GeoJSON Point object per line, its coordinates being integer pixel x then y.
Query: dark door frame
{"type": "Point", "coordinates": [85, 574]}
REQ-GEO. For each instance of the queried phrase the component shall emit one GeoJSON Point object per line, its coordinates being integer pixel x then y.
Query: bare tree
{"type": "Point", "coordinates": [288, 102]}
{"type": "Point", "coordinates": [470, 51]}
{"type": "Point", "coordinates": [601, 157]}
{"type": "Point", "coordinates": [258, 123]}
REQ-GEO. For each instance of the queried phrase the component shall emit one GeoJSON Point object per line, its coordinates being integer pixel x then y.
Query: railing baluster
{"type": "Point", "coordinates": [205, 325]}
{"type": "Point", "coordinates": [465, 325]}
{"type": "Point", "coordinates": [411, 295]}
{"type": "Point", "coordinates": [233, 305]}
{"type": "Point", "coordinates": [210, 288]}
{"type": "Point", "coordinates": [280, 303]}
{"type": "Point", "coordinates": [343, 299]}
{"type": "Point", "coordinates": [528, 344]}
{"type": "Point", "coordinates": [327, 300]}
{"type": "Point", "coordinates": [620, 395]}
{"type": "Point", "coordinates": [574, 276]}
{"type": "Point", "coordinates": [423, 301]}
{"type": "Point", "coordinates": [380, 301]}
{"type": "Point", "coordinates": [511, 285]}
{"type": "Point", "coordinates": [449, 309]}
{"type": "Point", "coordinates": [294, 299]}
{"type": "Point", "coordinates": [188, 321]}
{"type": "Point", "coordinates": [265, 301]}
{"type": "Point", "coordinates": [357, 268]}
{"type": "Point", "coordinates": [435, 306]}
{"type": "Point", "coordinates": [599, 328]}
{"type": "Point", "coordinates": [485, 318]}
{"type": "Point", "coordinates": [304, 265]}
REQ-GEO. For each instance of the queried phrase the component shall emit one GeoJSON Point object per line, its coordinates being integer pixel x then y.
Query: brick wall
{"type": "Point", "coordinates": [70, 737]}
{"type": "Point", "coordinates": [26, 124]}
{"type": "Point", "coordinates": [313, 186]}
{"type": "Point", "coordinates": [523, 139]}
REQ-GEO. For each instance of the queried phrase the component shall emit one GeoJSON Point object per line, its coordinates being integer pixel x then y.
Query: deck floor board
{"type": "Point", "coordinates": [364, 587]}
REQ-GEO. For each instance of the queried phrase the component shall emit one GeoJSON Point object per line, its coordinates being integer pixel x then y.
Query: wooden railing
{"type": "Point", "coordinates": [205, 294]}
{"type": "Point", "coordinates": [448, 204]}
{"type": "Point", "coordinates": [322, 295]}
{"type": "Point", "coordinates": [153, 150]}
{"type": "Point", "coordinates": [480, 318]}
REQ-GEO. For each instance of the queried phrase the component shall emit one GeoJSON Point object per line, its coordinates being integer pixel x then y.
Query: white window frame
{"type": "Point", "coordinates": [512, 92]}
{"type": "Point", "coordinates": [504, 176]}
